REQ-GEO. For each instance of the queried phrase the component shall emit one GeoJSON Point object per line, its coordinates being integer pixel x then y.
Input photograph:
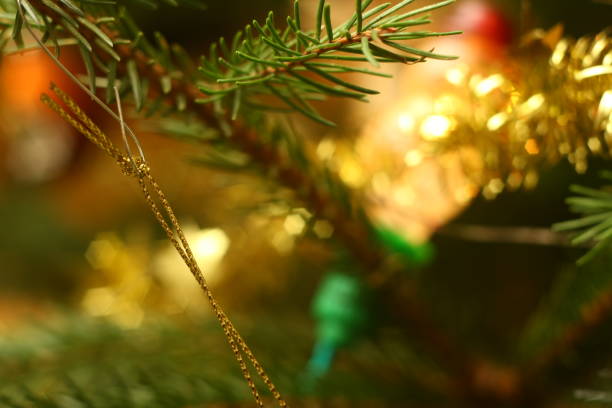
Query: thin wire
{"type": "Point", "coordinates": [140, 170]}
{"type": "Point", "coordinates": [76, 80]}
{"type": "Point", "coordinates": [153, 195]}
{"type": "Point", "coordinates": [123, 126]}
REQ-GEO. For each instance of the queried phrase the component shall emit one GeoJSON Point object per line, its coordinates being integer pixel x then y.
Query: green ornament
{"type": "Point", "coordinates": [341, 314]}
{"type": "Point", "coordinates": [339, 309]}
{"type": "Point", "coordinates": [414, 254]}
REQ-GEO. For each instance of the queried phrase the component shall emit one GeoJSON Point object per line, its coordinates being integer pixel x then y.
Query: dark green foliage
{"type": "Point", "coordinates": [83, 362]}
{"type": "Point", "coordinates": [595, 225]}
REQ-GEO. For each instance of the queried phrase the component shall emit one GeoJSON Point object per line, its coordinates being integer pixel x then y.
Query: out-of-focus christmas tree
{"type": "Point", "coordinates": [391, 253]}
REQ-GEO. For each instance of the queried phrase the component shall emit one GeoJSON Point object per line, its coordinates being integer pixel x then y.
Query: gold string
{"type": "Point", "coordinates": [155, 197]}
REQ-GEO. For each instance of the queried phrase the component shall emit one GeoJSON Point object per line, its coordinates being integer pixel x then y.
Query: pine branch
{"type": "Point", "coordinates": [291, 65]}
{"type": "Point", "coordinates": [161, 73]}
{"type": "Point", "coordinates": [570, 338]}
{"type": "Point", "coordinates": [579, 323]}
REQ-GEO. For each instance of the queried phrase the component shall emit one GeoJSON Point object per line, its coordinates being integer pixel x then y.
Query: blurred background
{"type": "Point", "coordinates": [92, 296]}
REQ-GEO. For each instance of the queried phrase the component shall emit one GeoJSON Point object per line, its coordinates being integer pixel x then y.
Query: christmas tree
{"type": "Point", "coordinates": [363, 254]}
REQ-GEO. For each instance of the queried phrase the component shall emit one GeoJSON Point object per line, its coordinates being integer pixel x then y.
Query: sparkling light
{"type": "Point", "coordinates": [294, 224]}
{"type": "Point", "coordinates": [455, 76]}
{"type": "Point", "coordinates": [496, 121]}
{"type": "Point", "coordinates": [209, 245]}
{"type": "Point", "coordinates": [413, 158]}
{"type": "Point", "coordinates": [489, 84]}
{"type": "Point", "coordinates": [531, 147]}
{"type": "Point", "coordinates": [436, 127]}
{"type": "Point", "coordinates": [405, 122]}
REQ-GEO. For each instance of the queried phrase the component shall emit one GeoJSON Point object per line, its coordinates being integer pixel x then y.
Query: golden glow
{"type": "Point", "coordinates": [405, 122]}
{"type": "Point", "coordinates": [413, 158]}
{"type": "Point", "coordinates": [294, 224]}
{"type": "Point", "coordinates": [209, 245]}
{"type": "Point", "coordinates": [531, 146]}
{"type": "Point", "coordinates": [352, 173]}
{"type": "Point", "coordinates": [436, 127]}
{"type": "Point", "coordinates": [605, 105]}
{"type": "Point", "coordinates": [326, 149]}
{"type": "Point", "coordinates": [99, 301]}
{"type": "Point", "coordinates": [594, 144]}
{"type": "Point", "coordinates": [559, 53]}
{"type": "Point", "coordinates": [381, 183]}
{"type": "Point", "coordinates": [282, 242]}
{"type": "Point", "coordinates": [404, 196]}
{"type": "Point", "coordinates": [101, 253]}
{"type": "Point", "coordinates": [496, 121]}
{"type": "Point", "coordinates": [532, 104]}
{"type": "Point", "coordinates": [489, 84]}
{"type": "Point", "coordinates": [591, 72]}
{"type": "Point", "coordinates": [455, 76]}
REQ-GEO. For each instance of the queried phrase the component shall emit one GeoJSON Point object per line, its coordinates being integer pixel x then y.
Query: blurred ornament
{"type": "Point", "coordinates": [480, 18]}
{"type": "Point", "coordinates": [487, 130]}
{"type": "Point", "coordinates": [340, 312]}
{"type": "Point", "coordinates": [414, 254]}
{"type": "Point", "coordinates": [39, 147]}
{"type": "Point", "coordinates": [556, 104]}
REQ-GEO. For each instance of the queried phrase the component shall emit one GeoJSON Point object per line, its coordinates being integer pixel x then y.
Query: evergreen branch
{"type": "Point", "coordinates": [564, 344]}
{"type": "Point", "coordinates": [578, 321]}
{"type": "Point", "coordinates": [595, 225]}
{"type": "Point", "coordinates": [157, 75]}
{"type": "Point", "coordinates": [265, 60]}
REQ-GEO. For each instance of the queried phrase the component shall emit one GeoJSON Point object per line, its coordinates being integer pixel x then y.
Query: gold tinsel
{"type": "Point", "coordinates": [554, 101]}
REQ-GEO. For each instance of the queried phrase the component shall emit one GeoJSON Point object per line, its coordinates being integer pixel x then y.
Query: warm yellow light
{"type": "Point", "coordinates": [413, 158]}
{"type": "Point", "coordinates": [489, 84]}
{"type": "Point", "coordinates": [605, 105]}
{"type": "Point", "coordinates": [326, 149]}
{"type": "Point", "coordinates": [294, 224]}
{"type": "Point", "coordinates": [404, 196]}
{"type": "Point", "coordinates": [282, 242]}
{"type": "Point", "coordinates": [531, 147]}
{"type": "Point", "coordinates": [455, 76]}
{"type": "Point", "coordinates": [559, 52]}
{"type": "Point", "coordinates": [209, 245]}
{"type": "Point", "coordinates": [496, 121]}
{"type": "Point", "coordinates": [99, 301]}
{"type": "Point", "coordinates": [381, 184]}
{"type": "Point", "coordinates": [102, 252]}
{"type": "Point", "coordinates": [405, 122]}
{"type": "Point", "coordinates": [597, 70]}
{"type": "Point", "coordinates": [436, 127]}
{"type": "Point", "coordinates": [532, 104]}
{"type": "Point", "coordinates": [352, 173]}
{"type": "Point", "coordinates": [594, 144]}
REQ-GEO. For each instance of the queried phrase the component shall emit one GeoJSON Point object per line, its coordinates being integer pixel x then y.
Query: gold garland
{"type": "Point", "coordinates": [555, 102]}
